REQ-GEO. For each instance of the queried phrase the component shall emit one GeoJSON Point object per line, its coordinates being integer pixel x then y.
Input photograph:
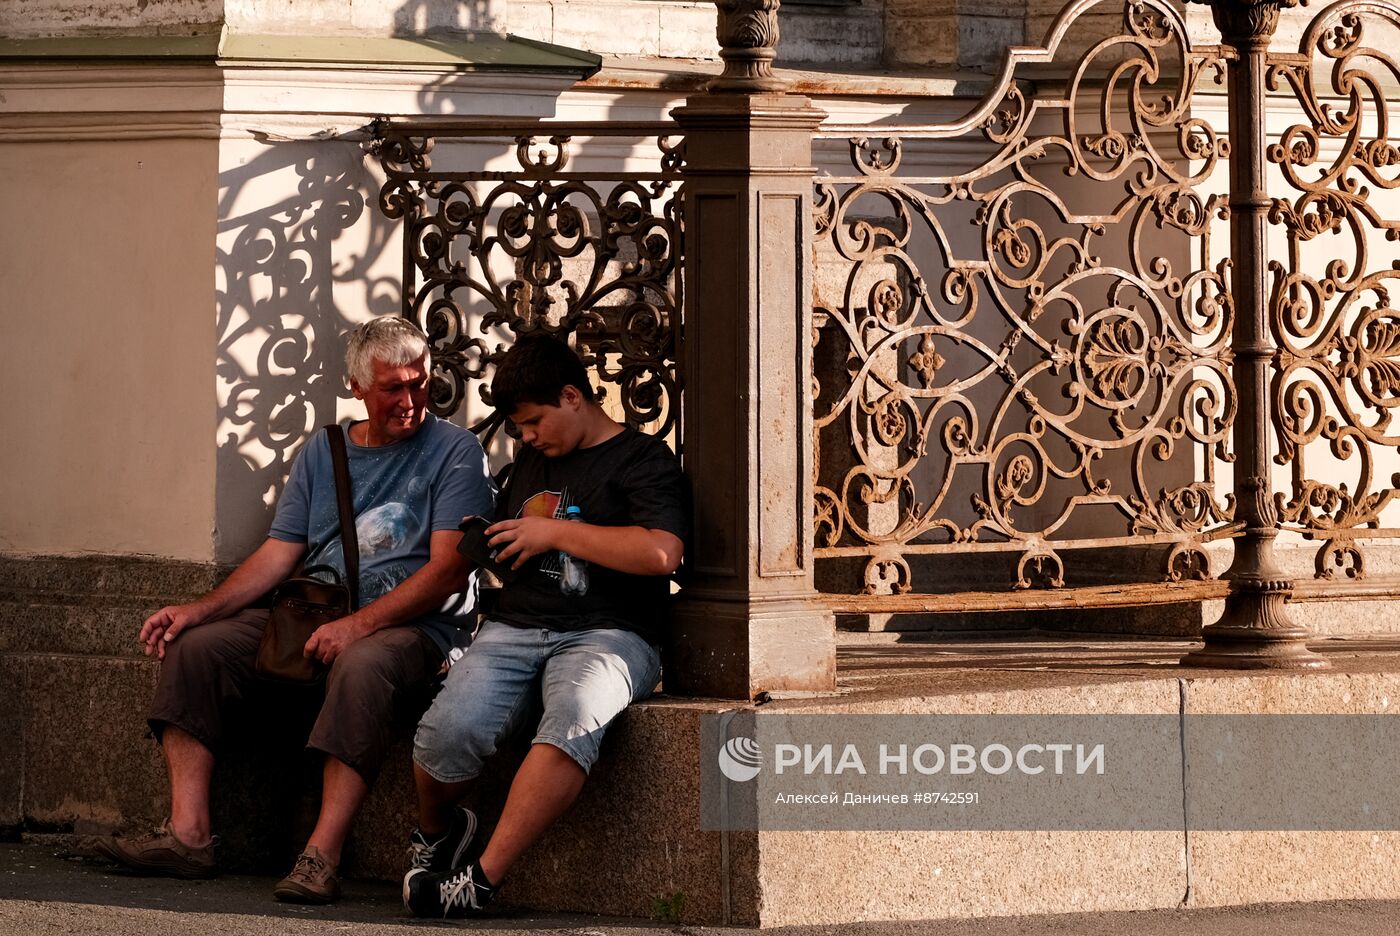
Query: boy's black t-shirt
{"type": "Point", "coordinates": [632, 479]}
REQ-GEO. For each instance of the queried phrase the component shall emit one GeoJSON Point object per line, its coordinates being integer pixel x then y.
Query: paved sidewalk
{"type": "Point", "coordinates": [42, 892]}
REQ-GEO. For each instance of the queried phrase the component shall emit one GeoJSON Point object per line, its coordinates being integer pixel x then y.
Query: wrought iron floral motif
{"type": "Point", "coordinates": [542, 248]}
{"type": "Point", "coordinates": [1009, 353]}
{"type": "Point", "coordinates": [1337, 384]}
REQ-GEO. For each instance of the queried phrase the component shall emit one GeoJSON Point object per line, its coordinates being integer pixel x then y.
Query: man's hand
{"type": "Point", "coordinates": [269, 564]}
{"type": "Point", "coordinates": [167, 623]}
{"type": "Point", "coordinates": [330, 640]}
{"type": "Point", "coordinates": [521, 540]}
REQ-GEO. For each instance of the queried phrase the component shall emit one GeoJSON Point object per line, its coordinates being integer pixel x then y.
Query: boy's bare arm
{"type": "Point", "coordinates": [631, 549]}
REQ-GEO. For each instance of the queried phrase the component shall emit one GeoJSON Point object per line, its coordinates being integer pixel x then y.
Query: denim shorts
{"type": "Point", "coordinates": [583, 679]}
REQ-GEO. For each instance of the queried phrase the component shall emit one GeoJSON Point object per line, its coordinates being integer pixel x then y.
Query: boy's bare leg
{"type": "Point", "coordinates": [544, 788]}
{"type": "Point", "coordinates": [435, 802]}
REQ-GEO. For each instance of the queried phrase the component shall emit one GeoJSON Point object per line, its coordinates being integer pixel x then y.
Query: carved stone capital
{"type": "Point", "coordinates": [747, 31]}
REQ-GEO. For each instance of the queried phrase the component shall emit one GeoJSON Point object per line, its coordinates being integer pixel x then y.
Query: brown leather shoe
{"type": "Point", "coordinates": [160, 852]}
{"type": "Point", "coordinates": [312, 881]}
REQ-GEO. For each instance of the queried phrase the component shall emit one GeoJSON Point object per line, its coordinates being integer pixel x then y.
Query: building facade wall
{"type": "Point", "coordinates": [108, 262]}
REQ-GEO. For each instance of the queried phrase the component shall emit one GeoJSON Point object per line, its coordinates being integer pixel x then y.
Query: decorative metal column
{"type": "Point", "coordinates": [747, 621]}
{"type": "Point", "coordinates": [1256, 631]}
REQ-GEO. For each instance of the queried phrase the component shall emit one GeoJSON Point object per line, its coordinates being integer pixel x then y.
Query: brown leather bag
{"type": "Point", "coordinates": [303, 603]}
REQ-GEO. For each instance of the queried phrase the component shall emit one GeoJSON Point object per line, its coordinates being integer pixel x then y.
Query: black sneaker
{"type": "Point", "coordinates": [454, 894]}
{"type": "Point", "coordinates": [449, 852]}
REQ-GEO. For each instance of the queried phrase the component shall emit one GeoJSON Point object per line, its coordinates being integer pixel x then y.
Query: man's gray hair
{"type": "Point", "coordinates": [391, 340]}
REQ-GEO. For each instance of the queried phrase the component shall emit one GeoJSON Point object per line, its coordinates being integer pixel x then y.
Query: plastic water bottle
{"type": "Point", "coordinates": [573, 578]}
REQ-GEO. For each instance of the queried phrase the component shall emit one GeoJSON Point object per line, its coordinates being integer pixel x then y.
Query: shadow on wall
{"type": "Point", "coordinates": [434, 23]}
{"type": "Point", "coordinates": [419, 17]}
{"type": "Point", "coordinates": [280, 367]}
{"type": "Point", "coordinates": [304, 253]}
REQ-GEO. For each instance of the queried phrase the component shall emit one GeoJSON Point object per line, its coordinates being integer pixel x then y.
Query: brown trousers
{"type": "Point", "coordinates": [377, 682]}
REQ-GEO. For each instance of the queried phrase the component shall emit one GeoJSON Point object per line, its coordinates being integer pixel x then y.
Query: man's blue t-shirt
{"type": "Point", "coordinates": [403, 493]}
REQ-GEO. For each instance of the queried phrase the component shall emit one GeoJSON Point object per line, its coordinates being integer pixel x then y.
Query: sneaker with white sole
{"type": "Point", "coordinates": [452, 895]}
{"type": "Point", "coordinates": [447, 853]}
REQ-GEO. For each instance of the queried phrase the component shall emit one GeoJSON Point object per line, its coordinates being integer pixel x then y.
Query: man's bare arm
{"type": "Point", "coordinates": [423, 591]}
{"type": "Point", "coordinates": [269, 564]}
{"type": "Point", "coordinates": [631, 549]}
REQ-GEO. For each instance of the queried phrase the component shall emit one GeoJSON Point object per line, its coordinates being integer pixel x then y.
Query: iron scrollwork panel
{"type": "Point", "coordinates": [1029, 352]}
{"type": "Point", "coordinates": [1337, 385]}
{"type": "Point", "coordinates": [542, 248]}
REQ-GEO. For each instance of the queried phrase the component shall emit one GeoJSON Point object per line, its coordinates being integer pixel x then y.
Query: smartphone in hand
{"type": "Point", "coordinates": [475, 547]}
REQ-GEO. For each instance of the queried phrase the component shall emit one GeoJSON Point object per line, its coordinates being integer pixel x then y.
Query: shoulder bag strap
{"type": "Point", "coordinates": [345, 504]}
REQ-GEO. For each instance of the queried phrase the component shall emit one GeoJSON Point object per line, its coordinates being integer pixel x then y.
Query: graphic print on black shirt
{"type": "Point", "coordinates": [632, 479]}
{"type": "Point", "coordinates": [552, 504]}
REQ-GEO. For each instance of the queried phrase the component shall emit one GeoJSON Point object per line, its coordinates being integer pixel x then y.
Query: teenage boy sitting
{"type": "Point", "coordinates": [586, 658]}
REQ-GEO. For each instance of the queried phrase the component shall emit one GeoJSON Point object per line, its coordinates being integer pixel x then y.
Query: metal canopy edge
{"type": "Point", "coordinates": [478, 52]}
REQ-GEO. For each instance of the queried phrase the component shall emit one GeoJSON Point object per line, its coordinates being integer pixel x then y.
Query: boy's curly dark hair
{"type": "Point", "coordinates": [536, 370]}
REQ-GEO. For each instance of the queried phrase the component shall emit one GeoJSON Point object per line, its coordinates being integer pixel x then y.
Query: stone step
{"type": "Point", "coordinates": [107, 576]}
{"type": "Point", "coordinates": [90, 604]}
{"type": "Point", "coordinates": [100, 629]}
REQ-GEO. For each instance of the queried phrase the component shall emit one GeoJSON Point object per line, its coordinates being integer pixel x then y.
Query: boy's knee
{"type": "Point", "coordinates": [449, 746]}
{"type": "Point", "coordinates": [576, 721]}
{"type": "Point", "coordinates": [580, 747]}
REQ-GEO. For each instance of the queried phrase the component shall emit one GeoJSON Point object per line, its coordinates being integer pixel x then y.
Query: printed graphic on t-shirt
{"type": "Point", "coordinates": [381, 531]}
{"type": "Point", "coordinates": [547, 504]}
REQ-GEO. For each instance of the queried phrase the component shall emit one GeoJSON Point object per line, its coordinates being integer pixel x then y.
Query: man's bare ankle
{"type": "Point", "coordinates": [193, 837]}
{"type": "Point", "coordinates": [331, 856]}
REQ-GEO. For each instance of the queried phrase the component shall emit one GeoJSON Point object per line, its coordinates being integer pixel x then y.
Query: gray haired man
{"type": "Point", "coordinates": [414, 477]}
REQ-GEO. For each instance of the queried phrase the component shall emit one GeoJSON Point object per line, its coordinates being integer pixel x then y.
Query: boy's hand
{"type": "Point", "coordinates": [519, 541]}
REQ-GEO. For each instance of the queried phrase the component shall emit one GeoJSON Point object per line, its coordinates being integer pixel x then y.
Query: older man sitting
{"type": "Point", "coordinates": [414, 477]}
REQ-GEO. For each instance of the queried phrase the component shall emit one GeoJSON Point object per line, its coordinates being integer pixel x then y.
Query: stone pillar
{"type": "Point", "coordinates": [747, 621]}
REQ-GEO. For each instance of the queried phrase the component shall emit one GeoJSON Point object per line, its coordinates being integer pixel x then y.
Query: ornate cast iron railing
{"type": "Point", "coordinates": [1337, 385]}
{"type": "Point", "coordinates": [1039, 380]}
{"type": "Point", "coordinates": [1002, 349]}
{"type": "Point", "coordinates": [559, 241]}
{"type": "Point", "coordinates": [1023, 333]}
